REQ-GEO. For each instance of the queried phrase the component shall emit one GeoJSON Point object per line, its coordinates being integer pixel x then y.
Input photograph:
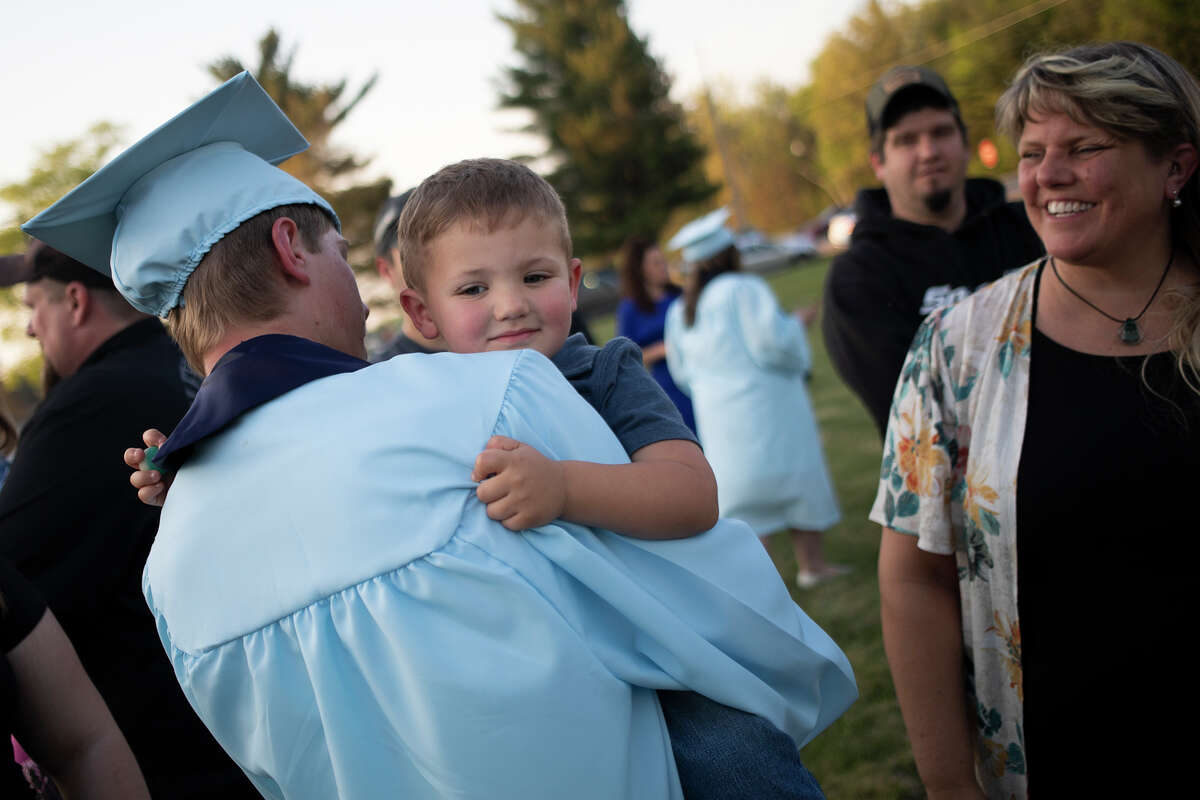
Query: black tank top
{"type": "Point", "coordinates": [1108, 490]}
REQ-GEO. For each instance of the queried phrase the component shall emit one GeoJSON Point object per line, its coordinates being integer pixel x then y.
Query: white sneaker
{"type": "Point", "coordinates": [809, 580]}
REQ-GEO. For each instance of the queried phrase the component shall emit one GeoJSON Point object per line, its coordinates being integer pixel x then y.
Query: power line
{"type": "Point", "coordinates": [947, 46]}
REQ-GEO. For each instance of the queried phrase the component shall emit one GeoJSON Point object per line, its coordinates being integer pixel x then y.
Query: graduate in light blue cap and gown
{"type": "Point", "coordinates": [745, 364]}
{"type": "Point", "coordinates": [338, 607]}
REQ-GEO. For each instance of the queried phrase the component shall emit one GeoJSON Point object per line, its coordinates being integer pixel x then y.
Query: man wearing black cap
{"type": "Point", "coordinates": [69, 523]}
{"type": "Point", "coordinates": [928, 238]}
{"type": "Point", "coordinates": [387, 262]}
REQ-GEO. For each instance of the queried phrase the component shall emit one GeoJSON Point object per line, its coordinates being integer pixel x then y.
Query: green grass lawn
{"type": "Point", "coordinates": [864, 755]}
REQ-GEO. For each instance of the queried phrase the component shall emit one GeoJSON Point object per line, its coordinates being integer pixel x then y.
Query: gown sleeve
{"type": "Point", "coordinates": [677, 360]}
{"type": "Point", "coordinates": [773, 339]}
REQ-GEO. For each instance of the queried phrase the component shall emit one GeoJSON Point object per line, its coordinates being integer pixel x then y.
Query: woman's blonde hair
{"type": "Point", "coordinates": [1139, 94]}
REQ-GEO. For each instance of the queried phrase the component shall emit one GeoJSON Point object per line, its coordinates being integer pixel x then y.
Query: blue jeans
{"type": "Point", "coordinates": [722, 753]}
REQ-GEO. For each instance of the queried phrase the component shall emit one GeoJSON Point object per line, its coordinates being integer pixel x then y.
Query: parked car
{"type": "Point", "coordinates": [747, 238]}
{"type": "Point", "coordinates": [764, 257]}
{"type": "Point", "coordinates": [759, 253]}
{"type": "Point", "coordinates": [798, 244]}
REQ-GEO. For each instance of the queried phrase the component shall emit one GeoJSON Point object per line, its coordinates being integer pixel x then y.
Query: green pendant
{"type": "Point", "coordinates": [1130, 333]}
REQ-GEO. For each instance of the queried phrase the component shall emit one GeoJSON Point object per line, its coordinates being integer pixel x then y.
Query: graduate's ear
{"type": "Point", "coordinates": [417, 309]}
{"type": "Point", "coordinates": [290, 255]}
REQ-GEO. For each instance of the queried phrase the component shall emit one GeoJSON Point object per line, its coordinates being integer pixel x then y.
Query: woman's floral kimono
{"type": "Point", "coordinates": [949, 477]}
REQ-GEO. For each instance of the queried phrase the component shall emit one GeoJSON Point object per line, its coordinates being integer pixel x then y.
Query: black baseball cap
{"type": "Point", "coordinates": [43, 261]}
{"type": "Point", "coordinates": [385, 222]}
{"type": "Point", "coordinates": [12, 269]}
{"type": "Point", "coordinates": [899, 80]}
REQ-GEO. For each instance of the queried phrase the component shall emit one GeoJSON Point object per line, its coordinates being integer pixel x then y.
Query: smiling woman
{"type": "Point", "coordinates": [1078, 384]}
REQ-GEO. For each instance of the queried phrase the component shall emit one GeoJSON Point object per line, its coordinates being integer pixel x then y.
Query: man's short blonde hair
{"type": "Point", "coordinates": [237, 282]}
{"type": "Point", "coordinates": [488, 192]}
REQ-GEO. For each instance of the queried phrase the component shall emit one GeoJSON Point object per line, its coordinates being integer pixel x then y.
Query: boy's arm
{"type": "Point", "coordinates": [667, 492]}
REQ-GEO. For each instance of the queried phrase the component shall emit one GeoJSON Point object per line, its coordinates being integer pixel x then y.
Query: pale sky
{"type": "Point", "coordinates": [139, 62]}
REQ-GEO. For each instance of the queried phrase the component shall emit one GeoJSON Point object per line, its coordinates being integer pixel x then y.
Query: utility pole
{"type": "Point", "coordinates": [735, 193]}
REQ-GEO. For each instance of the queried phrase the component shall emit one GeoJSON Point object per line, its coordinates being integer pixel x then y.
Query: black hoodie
{"type": "Point", "coordinates": [896, 272]}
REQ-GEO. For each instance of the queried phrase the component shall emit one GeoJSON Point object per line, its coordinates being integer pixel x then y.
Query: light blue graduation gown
{"type": "Point", "coordinates": [744, 364]}
{"type": "Point", "coordinates": [349, 623]}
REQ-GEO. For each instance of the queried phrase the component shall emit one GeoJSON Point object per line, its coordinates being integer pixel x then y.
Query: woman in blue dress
{"type": "Point", "coordinates": [646, 293]}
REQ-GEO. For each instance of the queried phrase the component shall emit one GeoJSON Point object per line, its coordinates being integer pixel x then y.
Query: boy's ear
{"type": "Point", "coordinates": [574, 274]}
{"type": "Point", "coordinates": [290, 254]}
{"type": "Point", "coordinates": [418, 311]}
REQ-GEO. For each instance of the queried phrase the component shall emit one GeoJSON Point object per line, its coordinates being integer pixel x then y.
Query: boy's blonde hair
{"type": "Point", "coordinates": [236, 282]}
{"type": "Point", "coordinates": [487, 192]}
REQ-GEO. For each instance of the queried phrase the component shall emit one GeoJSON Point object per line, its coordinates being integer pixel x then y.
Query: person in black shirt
{"type": "Point", "coordinates": [928, 238]}
{"type": "Point", "coordinates": [69, 523]}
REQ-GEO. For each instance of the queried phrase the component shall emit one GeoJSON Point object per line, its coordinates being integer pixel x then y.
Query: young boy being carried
{"type": "Point", "coordinates": [486, 254]}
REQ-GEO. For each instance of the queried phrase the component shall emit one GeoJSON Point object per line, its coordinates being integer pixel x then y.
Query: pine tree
{"type": "Point", "coordinates": [621, 154]}
{"type": "Point", "coordinates": [317, 110]}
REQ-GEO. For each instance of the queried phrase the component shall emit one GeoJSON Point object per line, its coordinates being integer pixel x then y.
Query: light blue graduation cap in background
{"type": "Point", "coordinates": [703, 238]}
{"type": "Point", "coordinates": [149, 216]}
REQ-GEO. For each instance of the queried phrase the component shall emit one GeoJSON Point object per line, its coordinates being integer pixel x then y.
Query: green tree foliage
{"type": "Point", "coordinates": [1172, 26]}
{"type": "Point", "coordinates": [621, 154]}
{"type": "Point", "coordinates": [769, 154]}
{"type": "Point", "coordinates": [317, 110]}
{"type": "Point", "coordinates": [851, 59]}
{"type": "Point", "coordinates": [977, 45]}
{"type": "Point", "coordinates": [58, 169]}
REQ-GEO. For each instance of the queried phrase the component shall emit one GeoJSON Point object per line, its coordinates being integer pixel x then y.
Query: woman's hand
{"type": "Point", "coordinates": [653, 353]}
{"type": "Point", "coordinates": [922, 637]}
{"type": "Point", "coordinates": [968, 792]}
{"type": "Point", "coordinates": [806, 314]}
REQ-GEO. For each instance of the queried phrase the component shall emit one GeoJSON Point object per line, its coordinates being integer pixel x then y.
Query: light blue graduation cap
{"type": "Point", "coordinates": [149, 216]}
{"type": "Point", "coordinates": [703, 238]}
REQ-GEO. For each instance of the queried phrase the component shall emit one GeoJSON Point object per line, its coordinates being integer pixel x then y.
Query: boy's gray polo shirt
{"type": "Point", "coordinates": [615, 383]}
